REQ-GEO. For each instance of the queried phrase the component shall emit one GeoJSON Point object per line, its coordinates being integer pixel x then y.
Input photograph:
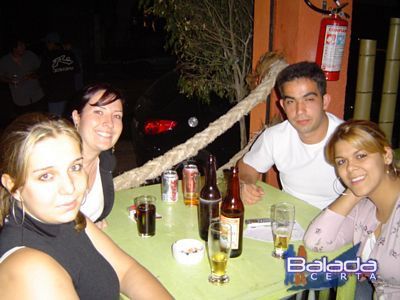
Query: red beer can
{"type": "Point", "coordinates": [191, 184]}
{"type": "Point", "coordinates": [169, 186]}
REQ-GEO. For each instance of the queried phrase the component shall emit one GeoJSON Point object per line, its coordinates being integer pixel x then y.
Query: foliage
{"type": "Point", "coordinates": [212, 40]}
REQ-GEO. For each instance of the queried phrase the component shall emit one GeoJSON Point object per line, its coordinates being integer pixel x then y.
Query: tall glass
{"type": "Point", "coordinates": [282, 222]}
{"type": "Point", "coordinates": [219, 249]}
{"type": "Point", "coordinates": [146, 215]}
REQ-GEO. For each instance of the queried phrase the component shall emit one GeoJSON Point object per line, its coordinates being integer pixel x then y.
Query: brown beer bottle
{"type": "Point", "coordinates": [232, 212]}
{"type": "Point", "coordinates": [210, 199]}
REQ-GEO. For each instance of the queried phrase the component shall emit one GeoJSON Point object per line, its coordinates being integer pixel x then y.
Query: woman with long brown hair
{"type": "Point", "coordinates": [368, 212]}
{"type": "Point", "coordinates": [48, 248]}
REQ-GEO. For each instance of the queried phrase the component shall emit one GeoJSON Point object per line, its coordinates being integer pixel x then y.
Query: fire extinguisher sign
{"type": "Point", "coordinates": [335, 37]}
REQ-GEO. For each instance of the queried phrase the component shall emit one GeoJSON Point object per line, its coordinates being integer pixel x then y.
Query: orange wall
{"type": "Point", "coordinates": [295, 34]}
{"type": "Point", "coordinates": [260, 46]}
{"type": "Point", "coordinates": [296, 31]}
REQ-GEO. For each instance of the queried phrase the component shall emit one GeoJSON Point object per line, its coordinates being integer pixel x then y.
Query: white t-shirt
{"type": "Point", "coordinates": [93, 204]}
{"type": "Point", "coordinates": [303, 170]}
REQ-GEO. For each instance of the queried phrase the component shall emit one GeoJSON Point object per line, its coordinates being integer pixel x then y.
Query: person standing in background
{"type": "Point", "coordinates": [69, 44]}
{"type": "Point", "coordinates": [18, 69]}
{"type": "Point", "coordinates": [57, 74]}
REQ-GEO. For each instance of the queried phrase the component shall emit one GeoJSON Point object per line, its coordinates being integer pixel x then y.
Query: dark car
{"type": "Point", "coordinates": [164, 118]}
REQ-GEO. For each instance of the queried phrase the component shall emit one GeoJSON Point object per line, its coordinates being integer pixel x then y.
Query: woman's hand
{"type": "Point", "coordinates": [102, 224]}
{"type": "Point", "coordinates": [345, 203]}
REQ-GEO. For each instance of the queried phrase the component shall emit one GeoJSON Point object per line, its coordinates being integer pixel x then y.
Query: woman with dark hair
{"type": "Point", "coordinates": [98, 119]}
{"type": "Point", "coordinates": [48, 249]}
{"type": "Point", "coordinates": [368, 212]}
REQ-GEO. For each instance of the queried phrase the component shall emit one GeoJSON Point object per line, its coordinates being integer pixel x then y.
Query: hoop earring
{"type": "Point", "coordinates": [336, 188]}
{"type": "Point", "coordinates": [13, 211]}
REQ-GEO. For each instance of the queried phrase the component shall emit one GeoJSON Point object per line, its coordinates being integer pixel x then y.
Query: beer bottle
{"type": "Point", "coordinates": [232, 212]}
{"type": "Point", "coordinates": [210, 199]}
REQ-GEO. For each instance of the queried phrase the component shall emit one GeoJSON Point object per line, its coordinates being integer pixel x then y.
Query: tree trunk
{"type": "Point", "coordinates": [243, 133]}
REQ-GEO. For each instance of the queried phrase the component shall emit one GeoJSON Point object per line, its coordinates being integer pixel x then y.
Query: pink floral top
{"type": "Point", "coordinates": [329, 231]}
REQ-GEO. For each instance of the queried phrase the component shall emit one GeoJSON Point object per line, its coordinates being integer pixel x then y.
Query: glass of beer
{"type": "Point", "coordinates": [146, 215]}
{"type": "Point", "coordinates": [219, 248]}
{"type": "Point", "coordinates": [282, 222]}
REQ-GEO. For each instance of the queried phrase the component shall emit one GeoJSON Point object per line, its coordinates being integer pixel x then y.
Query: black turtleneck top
{"type": "Point", "coordinates": [93, 277]}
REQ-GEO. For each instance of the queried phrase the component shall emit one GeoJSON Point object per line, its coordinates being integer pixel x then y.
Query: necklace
{"type": "Point", "coordinates": [91, 173]}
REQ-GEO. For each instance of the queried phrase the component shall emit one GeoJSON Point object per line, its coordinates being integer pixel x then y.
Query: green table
{"type": "Point", "coordinates": [254, 275]}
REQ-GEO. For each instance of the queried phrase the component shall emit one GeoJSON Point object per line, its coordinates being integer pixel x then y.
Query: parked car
{"type": "Point", "coordinates": [164, 118]}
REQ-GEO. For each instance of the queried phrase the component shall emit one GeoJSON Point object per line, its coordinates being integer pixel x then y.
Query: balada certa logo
{"type": "Point", "coordinates": [321, 273]}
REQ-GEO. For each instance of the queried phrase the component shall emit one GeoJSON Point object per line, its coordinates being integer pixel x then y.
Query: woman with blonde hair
{"type": "Point", "coordinates": [368, 212]}
{"type": "Point", "coordinates": [48, 248]}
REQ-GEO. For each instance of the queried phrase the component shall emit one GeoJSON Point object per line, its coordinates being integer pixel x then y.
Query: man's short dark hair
{"type": "Point", "coordinates": [14, 40]}
{"type": "Point", "coordinates": [304, 69]}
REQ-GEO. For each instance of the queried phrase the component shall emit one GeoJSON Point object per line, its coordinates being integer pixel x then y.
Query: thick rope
{"type": "Point", "coordinates": [155, 167]}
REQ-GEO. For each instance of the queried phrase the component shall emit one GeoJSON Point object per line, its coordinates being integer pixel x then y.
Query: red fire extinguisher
{"type": "Point", "coordinates": [331, 40]}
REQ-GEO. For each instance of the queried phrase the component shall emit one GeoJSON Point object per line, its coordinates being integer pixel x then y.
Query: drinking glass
{"type": "Point", "coordinates": [14, 79]}
{"type": "Point", "coordinates": [282, 222]}
{"type": "Point", "coordinates": [219, 250]}
{"type": "Point", "coordinates": [146, 215]}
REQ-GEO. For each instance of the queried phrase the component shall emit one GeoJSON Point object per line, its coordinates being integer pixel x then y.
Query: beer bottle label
{"type": "Point", "coordinates": [235, 227]}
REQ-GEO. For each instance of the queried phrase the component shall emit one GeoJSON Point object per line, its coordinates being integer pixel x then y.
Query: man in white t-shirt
{"type": "Point", "coordinates": [296, 146]}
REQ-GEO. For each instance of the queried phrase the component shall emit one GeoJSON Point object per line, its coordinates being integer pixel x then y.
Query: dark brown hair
{"type": "Point", "coordinates": [304, 69]}
{"type": "Point", "coordinates": [110, 95]}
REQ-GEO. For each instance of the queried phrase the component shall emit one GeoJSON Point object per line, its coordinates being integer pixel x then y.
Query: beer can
{"type": "Point", "coordinates": [169, 186]}
{"type": "Point", "coordinates": [190, 182]}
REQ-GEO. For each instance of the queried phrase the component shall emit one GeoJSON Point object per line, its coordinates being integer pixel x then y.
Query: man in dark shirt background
{"type": "Point", "coordinates": [58, 70]}
{"type": "Point", "coordinates": [18, 69]}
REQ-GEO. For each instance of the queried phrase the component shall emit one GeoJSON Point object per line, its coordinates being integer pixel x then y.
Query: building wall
{"type": "Point", "coordinates": [295, 30]}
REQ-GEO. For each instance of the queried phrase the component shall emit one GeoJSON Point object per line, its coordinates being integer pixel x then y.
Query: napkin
{"type": "Point", "coordinates": [264, 233]}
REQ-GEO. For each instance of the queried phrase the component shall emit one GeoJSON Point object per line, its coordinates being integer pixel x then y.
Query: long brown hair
{"type": "Point", "coordinates": [16, 145]}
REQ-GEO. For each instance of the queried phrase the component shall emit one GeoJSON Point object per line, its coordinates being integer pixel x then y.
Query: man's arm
{"type": "Point", "coordinates": [5, 79]}
{"type": "Point", "coordinates": [250, 192]}
{"type": "Point", "coordinates": [3, 74]}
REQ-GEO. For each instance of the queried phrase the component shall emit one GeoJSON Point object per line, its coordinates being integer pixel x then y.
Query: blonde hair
{"type": "Point", "coordinates": [361, 134]}
{"type": "Point", "coordinates": [16, 146]}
